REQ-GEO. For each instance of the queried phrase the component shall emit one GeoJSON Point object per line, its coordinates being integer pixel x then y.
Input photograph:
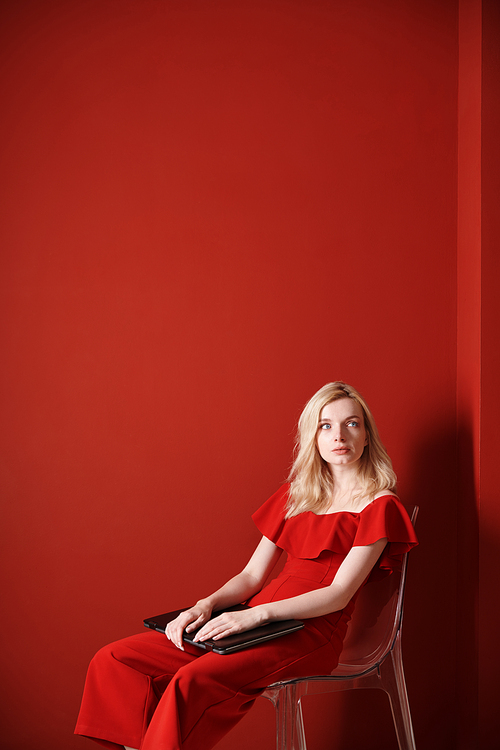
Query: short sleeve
{"type": "Point", "coordinates": [270, 517]}
{"type": "Point", "coordinates": [386, 517]}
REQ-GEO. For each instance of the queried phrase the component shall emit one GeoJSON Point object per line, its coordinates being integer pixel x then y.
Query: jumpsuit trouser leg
{"type": "Point", "coordinates": [145, 693]}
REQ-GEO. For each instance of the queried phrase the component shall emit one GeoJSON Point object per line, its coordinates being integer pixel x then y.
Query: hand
{"type": "Point", "coordinates": [229, 623]}
{"type": "Point", "coordinates": [189, 620]}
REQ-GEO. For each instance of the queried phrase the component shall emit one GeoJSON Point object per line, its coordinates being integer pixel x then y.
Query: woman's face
{"type": "Point", "coordinates": [341, 433]}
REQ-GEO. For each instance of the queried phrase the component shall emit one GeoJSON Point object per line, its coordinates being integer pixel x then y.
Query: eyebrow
{"type": "Point", "coordinates": [353, 416]}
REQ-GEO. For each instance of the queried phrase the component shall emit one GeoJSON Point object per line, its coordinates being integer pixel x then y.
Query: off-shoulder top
{"type": "Point", "coordinates": [316, 545]}
{"type": "Point", "coordinates": [308, 535]}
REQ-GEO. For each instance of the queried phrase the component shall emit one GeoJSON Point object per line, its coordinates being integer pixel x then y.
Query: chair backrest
{"type": "Point", "coordinates": [376, 620]}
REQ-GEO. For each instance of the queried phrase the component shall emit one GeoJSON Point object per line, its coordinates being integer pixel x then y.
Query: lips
{"type": "Point", "coordinates": [341, 451]}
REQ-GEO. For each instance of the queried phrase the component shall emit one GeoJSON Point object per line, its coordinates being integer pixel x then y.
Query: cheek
{"type": "Point", "coordinates": [320, 443]}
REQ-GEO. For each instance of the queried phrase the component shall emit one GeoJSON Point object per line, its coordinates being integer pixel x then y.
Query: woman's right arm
{"type": "Point", "coordinates": [236, 590]}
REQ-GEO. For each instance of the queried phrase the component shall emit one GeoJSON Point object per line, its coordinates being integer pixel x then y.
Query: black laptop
{"type": "Point", "coordinates": [230, 643]}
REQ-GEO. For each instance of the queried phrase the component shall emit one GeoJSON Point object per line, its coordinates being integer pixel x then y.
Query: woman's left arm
{"type": "Point", "coordinates": [354, 570]}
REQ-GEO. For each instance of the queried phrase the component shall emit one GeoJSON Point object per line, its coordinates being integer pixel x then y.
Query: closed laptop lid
{"type": "Point", "coordinates": [230, 643]}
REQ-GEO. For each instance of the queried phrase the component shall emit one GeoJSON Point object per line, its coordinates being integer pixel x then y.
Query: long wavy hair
{"type": "Point", "coordinates": [311, 480]}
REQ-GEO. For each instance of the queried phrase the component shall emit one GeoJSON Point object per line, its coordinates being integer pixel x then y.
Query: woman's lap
{"type": "Point", "coordinates": [133, 680]}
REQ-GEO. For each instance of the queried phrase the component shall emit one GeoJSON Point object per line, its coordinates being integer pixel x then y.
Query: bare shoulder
{"type": "Point", "coordinates": [385, 493]}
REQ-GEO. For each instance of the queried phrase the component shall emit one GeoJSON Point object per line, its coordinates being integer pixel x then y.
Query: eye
{"type": "Point", "coordinates": [353, 423]}
{"type": "Point", "coordinates": [325, 426]}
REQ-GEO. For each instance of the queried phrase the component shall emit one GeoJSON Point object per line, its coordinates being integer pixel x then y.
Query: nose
{"type": "Point", "coordinates": [339, 438]}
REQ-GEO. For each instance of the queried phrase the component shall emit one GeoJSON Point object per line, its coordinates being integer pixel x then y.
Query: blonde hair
{"type": "Point", "coordinates": [311, 481]}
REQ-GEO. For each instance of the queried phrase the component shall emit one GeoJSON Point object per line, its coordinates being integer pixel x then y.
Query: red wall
{"type": "Point", "coordinates": [489, 527]}
{"type": "Point", "coordinates": [468, 364]}
{"type": "Point", "coordinates": [208, 211]}
{"type": "Point", "coordinates": [478, 366]}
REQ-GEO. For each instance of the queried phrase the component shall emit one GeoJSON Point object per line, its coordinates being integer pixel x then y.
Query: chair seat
{"type": "Point", "coordinates": [371, 658]}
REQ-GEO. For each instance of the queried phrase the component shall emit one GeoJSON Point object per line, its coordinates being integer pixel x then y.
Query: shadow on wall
{"type": "Point", "coordinates": [431, 590]}
{"type": "Point", "coordinates": [467, 577]}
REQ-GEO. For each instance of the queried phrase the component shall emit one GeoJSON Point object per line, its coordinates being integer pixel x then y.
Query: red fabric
{"type": "Point", "coordinates": [189, 699]}
{"type": "Point", "coordinates": [309, 536]}
{"type": "Point", "coordinates": [145, 693]}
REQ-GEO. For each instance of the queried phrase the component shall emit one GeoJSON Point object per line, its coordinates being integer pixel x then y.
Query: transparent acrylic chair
{"type": "Point", "coordinates": [371, 658]}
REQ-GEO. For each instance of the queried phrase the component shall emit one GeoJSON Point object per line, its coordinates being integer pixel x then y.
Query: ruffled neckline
{"type": "Point", "coordinates": [307, 535]}
{"type": "Point", "coordinates": [352, 512]}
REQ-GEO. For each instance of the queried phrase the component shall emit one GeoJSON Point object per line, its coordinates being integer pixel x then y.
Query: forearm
{"type": "Point", "coordinates": [251, 579]}
{"type": "Point", "coordinates": [311, 604]}
{"type": "Point", "coordinates": [236, 590]}
{"type": "Point", "coordinates": [350, 576]}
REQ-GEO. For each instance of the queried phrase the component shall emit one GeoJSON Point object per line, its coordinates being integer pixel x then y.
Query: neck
{"type": "Point", "coordinates": [346, 483]}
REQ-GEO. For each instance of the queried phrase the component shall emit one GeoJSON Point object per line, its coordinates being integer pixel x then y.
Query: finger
{"type": "Point", "coordinates": [176, 628]}
{"type": "Point", "coordinates": [224, 632]}
{"type": "Point", "coordinates": [174, 634]}
{"type": "Point", "coordinates": [204, 632]}
{"type": "Point", "coordinates": [212, 632]}
{"type": "Point", "coordinates": [196, 624]}
{"type": "Point", "coordinates": [177, 641]}
{"type": "Point", "coordinates": [174, 640]}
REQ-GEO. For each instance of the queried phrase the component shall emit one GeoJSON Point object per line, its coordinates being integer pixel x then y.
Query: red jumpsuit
{"type": "Point", "coordinates": [145, 693]}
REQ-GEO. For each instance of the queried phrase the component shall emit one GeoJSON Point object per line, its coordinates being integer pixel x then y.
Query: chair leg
{"type": "Point", "coordinates": [393, 682]}
{"type": "Point", "coordinates": [290, 733]}
{"type": "Point", "coordinates": [299, 726]}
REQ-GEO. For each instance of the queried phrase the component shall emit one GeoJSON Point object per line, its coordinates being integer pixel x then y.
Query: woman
{"type": "Point", "coordinates": [340, 523]}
